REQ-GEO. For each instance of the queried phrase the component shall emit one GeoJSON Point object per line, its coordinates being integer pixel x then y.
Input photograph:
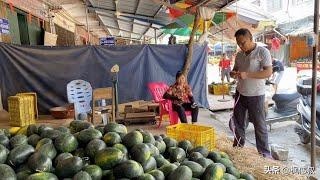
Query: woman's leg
{"type": "Point", "coordinates": [181, 112]}
{"type": "Point", "coordinates": [194, 111]}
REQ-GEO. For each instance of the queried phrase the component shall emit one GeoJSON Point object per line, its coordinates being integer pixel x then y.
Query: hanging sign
{"type": "Point", "coordinates": [4, 26]}
{"type": "Point", "coordinates": [109, 40]}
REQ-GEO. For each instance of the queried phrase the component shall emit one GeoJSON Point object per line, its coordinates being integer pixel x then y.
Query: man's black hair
{"type": "Point", "coordinates": [243, 32]}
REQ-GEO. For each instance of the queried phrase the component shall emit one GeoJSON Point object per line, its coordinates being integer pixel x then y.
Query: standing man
{"type": "Point", "coordinates": [278, 71]}
{"type": "Point", "coordinates": [172, 39]}
{"type": "Point", "coordinates": [225, 67]}
{"type": "Point", "coordinates": [253, 65]}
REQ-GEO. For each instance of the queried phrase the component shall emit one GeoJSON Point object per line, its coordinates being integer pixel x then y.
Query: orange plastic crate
{"type": "Point", "coordinates": [196, 134]}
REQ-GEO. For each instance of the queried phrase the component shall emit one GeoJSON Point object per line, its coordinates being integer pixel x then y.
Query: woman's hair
{"type": "Point", "coordinates": [179, 73]}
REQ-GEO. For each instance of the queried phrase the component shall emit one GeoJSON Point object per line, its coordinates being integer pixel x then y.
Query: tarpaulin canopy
{"type": "Point", "coordinates": [47, 70]}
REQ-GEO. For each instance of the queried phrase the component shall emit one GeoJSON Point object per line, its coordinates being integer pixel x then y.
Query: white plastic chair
{"type": "Point", "coordinates": [80, 93]}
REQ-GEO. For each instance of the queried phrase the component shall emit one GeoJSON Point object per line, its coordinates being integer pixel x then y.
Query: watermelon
{"type": "Point", "coordinates": [32, 129]}
{"type": "Point", "coordinates": [3, 154]}
{"type": "Point", "coordinates": [170, 142]}
{"type": "Point", "coordinates": [149, 165]}
{"type": "Point", "coordinates": [185, 145]}
{"type": "Point", "coordinates": [177, 155]}
{"type": "Point", "coordinates": [112, 138]}
{"type": "Point", "coordinates": [34, 139]}
{"type": "Point", "coordinates": [228, 176]}
{"type": "Point", "coordinates": [161, 161]}
{"type": "Point", "coordinates": [163, 136]}
{"type": "Point", "coordinates": [161, 145]}
{"type": "Point", "coordinates": [94, 171]}
{"type": "Point", "coordinates": [108, 175]}
{"type": "Point", "coordinates": [146, 177]}
{"type": "Point", "coordinates": [157, 174]}
{"type": "Point", "coordinates": [48, 150]}
{"type": "Point", "coordinates": [226, 162]}
{"type": "Point", "coordinates": [154, 150]}
{"type": "Point", "coordinates": [42, 142]}
{"type": "Point", "coordinates": [195, 155]}
{"type": "Point", "coordinates": [214, 156]}
{"type": "Point", "coordinates": [42, 176]}
{"type": "Point", "coordinates": [94, 146]}
{"type": "Point", "coordinates": [4, 140]}
{"type": "Point", "coordinates": [7, 173]}
{"type": "Point", "coordinates": [140, 153]}
{"type": "Point", "coordinates": [101, 129]}
{"type": "Point", "coordinates": [50, 133]}
{"type": "Point", "coordinates": [67, 168]}
{"type": "Point", "coordinates": [22, 131]}
{"type": "Point", "coordinates": [79, 125]}
{"type": "Point", "coordinates": [148, 137]}
{"type": "Point", "coordinates": [213, 172]}
{"type": "Point", "coordinates": [43, 128]}
{"type": "Point", "coordinates": [39, 163]}
{"type": "Point", "coordinates": [82, 175]}
{"type": "Point", "coordinates": [23, 174]}
{"type": "Point", "coordinates": [157, 138]}
{"type": "Point", "coordinates": [114, 127]}
{"type": "Point", "coordinates": [204, 162]}
{"type": "Point", "coordinates": [246, 176]}
{"type": "Point", "coordinates": [18, 140]}
{"type": "Point", "coordinates": [196, 168]}
{"type": "Point", "coordinates": [128, 169]}
{"type": "Point", "coordinates": [167, 169]}
{"type": "Point", "coordinates": [61, 157]}
{"type": "Point", "coordinates": [63, 129]}
{"type": "Point", "coordinates": [19, 154]}
{"type": "Point", "coordinates": [66, 143]}
{"type": "Point", "coordinates": [5, 132]}
{"type": "Point", "coordinates": [132, 138]}
{"type": "Point", "coordinates": [201, 149]}
{"type": "Point", "coordinates": [233, 171]}
{"type": "Point", "coordinates": [22, 167]}
{"type": "Point", "coordinates": [224, 155]}
{"type": "Point", "coordinates": [108, 158]}
{"type": "Point", "coordinates": [182, 172]}
{"type": "Point", "coordinates": [80, 152]}
{"type": "Point", "coordinates": [86, 135]}
{"type": "Point", "coordinates": [121, 147]}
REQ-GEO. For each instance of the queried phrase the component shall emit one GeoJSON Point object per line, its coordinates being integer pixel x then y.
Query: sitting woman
{"type": "Point", "coordinates": [182, 98]}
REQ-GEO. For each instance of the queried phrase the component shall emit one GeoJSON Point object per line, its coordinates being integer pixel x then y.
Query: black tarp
{"type": "Point", "coordinates": [47, 70]}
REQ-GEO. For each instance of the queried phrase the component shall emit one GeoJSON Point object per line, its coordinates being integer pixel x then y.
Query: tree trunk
{"type": "Point", "coordinates": [188, 60]}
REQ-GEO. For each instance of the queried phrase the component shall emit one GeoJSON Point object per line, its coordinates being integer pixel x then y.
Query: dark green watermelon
{"type": "Point", "coordinates": [18, 140]}
{"type": "Point", "coordinates": [3, 154]}
{"type": "Point", "coordinates": [7, 173]}
{"type": "Point", "coordinates": [67, 168]}
{"type": "Point", "coordinates": [161, 145]}
{"type": "Point", "coordinates": [148, 137]}
{"type": "Point", "coordinates": [182, 172]}
{"type": "Point", "coordinates": [94, 146]}
{"type": "Point", "coordinates": [32, 129]}
{"type": "Point", "coordinates": [80, 152]}
{"type": "Point", "coordinates": [42, 142]}
{"type": "Point", "coordinates": [94, 171]}
{"type": "Point", "coordinates": [149, 165]}
{"type": "Point", "coordinates": [197, 169]}
{"type": "Point", "coordinates": [157, 174]}
{"type": "Point", "coordinates": [43, 127]}
{"type": "Point", "coordinates": [114, 127]}
{"type": "Point", "coordinates": [19, 154]}
{"type": "Point", "coordinates": [177, 155]}
{"type": "Point", "coordinates": [157, 138]}
{"type": "Point", "coordinates": [167, 169]}
{"type": "Point", "coordinates": [48, 150]}
{"type": "Point", "coordinates": [86, 135]}
{"type": "Point", "coordinates": [34, 139]}
{"type": "Point", "coordinates": [154, 150]}
{"type": "Point", "coordinates": [132, 138]}
{"type": "Point", "coordinates": [42, 176]}
{"type": "Point", "coordinates": [23, 175]}
{"type": "Point", "coordinates": [63, 129]}
{"type": "Point", "coordinates": [170, 142]}
{"type": "Point", "coordinates": [4, 140]}
{"type": "Point", "coordinates": [185, 145]}
{"type": "Point", "coordinates": [112, 138]}
{"type": "Point", "coordinates": [201, 149]}
{"type": "Point", "coordinates": [146, 177]}
{"type": "Point", "coordinates": [128, 169]}
{"type": "Point", "coordinates": [39, 163]}
{"type": "Point", "coordinates": [140, 153]}
{"type": "Point", "coordinates": [82, 175]}
{"type": "Point", "coordinates": [61, 157]}
{"type": "Point", "coordinates": [108, 157]}
{"type": "Point", "coordinates": [195, 155]}
{"type": "Point", "coordinates": [66, 143]}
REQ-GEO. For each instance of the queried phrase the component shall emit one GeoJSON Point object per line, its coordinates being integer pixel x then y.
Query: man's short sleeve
{"type": "Point", "coordinates": [266, 57]}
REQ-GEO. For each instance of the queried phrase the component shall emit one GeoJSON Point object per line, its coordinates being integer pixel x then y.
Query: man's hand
{"type": "Point", "coordinates": [234, 74]}
{"type": "Point", "coordinates": [243, 75]}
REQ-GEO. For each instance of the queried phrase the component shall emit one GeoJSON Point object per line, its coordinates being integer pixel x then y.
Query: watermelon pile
{"type": "Point", "coordinates": [85, 152]}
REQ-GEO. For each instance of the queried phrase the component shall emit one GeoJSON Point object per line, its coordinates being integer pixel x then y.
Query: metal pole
{"type": "Point", "coordinates": [155, 36]}
{"type": "Point", "coordinates": [88, 40]}
{"type": "Point", "coordinates": [314, 84]}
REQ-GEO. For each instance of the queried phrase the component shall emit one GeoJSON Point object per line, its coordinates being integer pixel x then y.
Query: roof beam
{"type": "Point", "coordinates": [116, 5]}
{"type": "Point", "coordinates": [135, 12]}
{"type": "Point", "coordinates": [112, 11]}
{"type": "Point", "coordinates": [101, 22]}
{"type": "Point", "coordinates": [155, 14]}
{"type": "Point", "coordinates": [121, 29]}
{"type": "Point", "coordinates": [124, 20]}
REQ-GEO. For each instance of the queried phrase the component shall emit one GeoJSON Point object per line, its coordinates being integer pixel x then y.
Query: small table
{"type": "Point", "coordinates": [140, 117]}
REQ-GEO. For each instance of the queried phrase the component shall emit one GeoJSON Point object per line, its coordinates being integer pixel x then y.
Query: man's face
{"type": "Point", "coordinates": [244, 42]}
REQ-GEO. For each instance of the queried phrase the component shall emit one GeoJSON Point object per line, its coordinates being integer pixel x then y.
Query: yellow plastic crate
{"type": "Point", "coordinates": [196, 134]}
{"type": "Point", "coordinates": [21, 110]}
{"type": "Point", "coordinates": [219, 89]}
{"type": "Point", "coordinates": [34, 101]}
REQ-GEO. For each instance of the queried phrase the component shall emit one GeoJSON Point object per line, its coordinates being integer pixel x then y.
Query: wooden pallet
{"type": "Point", "coordinates": [145, 117]}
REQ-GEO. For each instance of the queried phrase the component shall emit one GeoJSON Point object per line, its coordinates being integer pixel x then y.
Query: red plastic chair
{"type": "Point", "coordinates": [157, 90]}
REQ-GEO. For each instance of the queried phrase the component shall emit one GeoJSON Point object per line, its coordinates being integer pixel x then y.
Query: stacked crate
{"type": "Point", "coordinates": [23, 109]}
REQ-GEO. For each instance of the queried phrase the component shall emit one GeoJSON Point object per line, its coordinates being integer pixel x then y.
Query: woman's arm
{"type": "Point", "coordinates": [169, 96]}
